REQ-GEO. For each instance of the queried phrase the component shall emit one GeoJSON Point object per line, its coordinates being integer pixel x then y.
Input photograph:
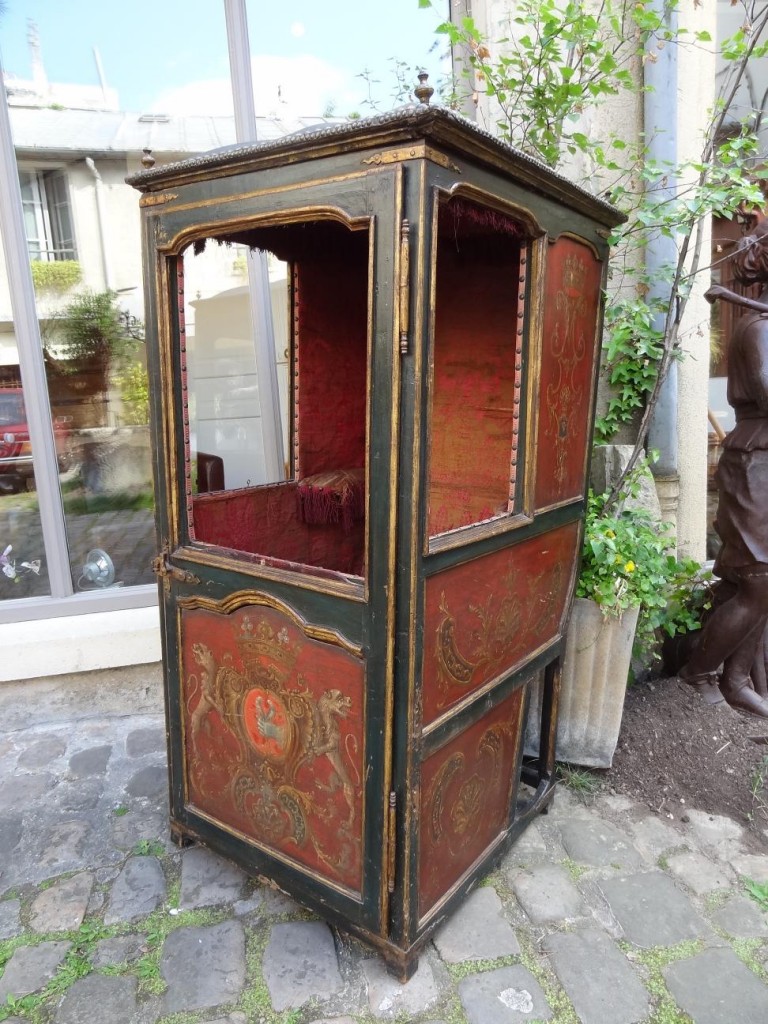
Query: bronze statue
{"type": "Point", "coordinates": [734, 634]}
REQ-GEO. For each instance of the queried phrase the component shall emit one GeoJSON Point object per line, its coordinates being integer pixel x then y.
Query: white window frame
{"type": "Point", "coordinates": [43, 183]}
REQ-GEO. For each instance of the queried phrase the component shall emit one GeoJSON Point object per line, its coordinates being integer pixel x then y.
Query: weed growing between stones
{"type": "Point", "coordinates": [666, 1010]}
{"type": "Point", "coordinates": [574, 870]}
{"type": "Point", "coordinates": [758, 787]}
{"type": "Point", "coordinates": [746, 950]}
{"type": "Point", "coordinates": [148, 848]}
{"type": "Point", "coordinates": [463, 970]}
{"type": "Point", "coordinates": [562, 1007]}
{"type": "Point", "coordinates": [583, 783]}
{"type": "Point", "coordinates": [716, 899]}
{"type": "Point", "coordinates": [757, 891]}
{"type": "Point", "coordinates": [119, 812]}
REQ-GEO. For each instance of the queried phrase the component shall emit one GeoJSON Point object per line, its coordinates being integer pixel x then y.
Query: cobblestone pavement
{"type": "Point", "coordinates": [603, 913]}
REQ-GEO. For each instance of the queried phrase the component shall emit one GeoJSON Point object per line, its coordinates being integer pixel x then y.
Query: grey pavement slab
{"type": "Point", "coordinates": [99, 998]}
{"type": "Point", "coordinates": [715, 987]}
{"type": "Point", "coordinates": [712, 830]}
{"type": "Point", "coordinates": [10, 833]}
{"type": "Point", "coordinates": [598, 843]}
{"type": "Point", "coordinates": [530, 848]}
{"type": "Point", "coordinates": [203, 967]}
{"type": "Point", "coordinates": [61, 848]}
{"type": "Point", "coordinates": [31, 968]}
{"type": "Point", "coordinates": [208, 879]}
{"type": "Point", "coordinates": [137, 890]}
{"type": "Point", "coordinates": [334, 1020]}
{"type": "Point", "coordinates": [10, 924]}
{"type": "Point", "coordinates": [699, 873]}
{"type": "Point", "coordinates": [150, 782]}
{"type": "Point", "coordinates": [598, 979]}
{"type": "Point", "coordinates": [119, 950]}
{"type": "Point", "coordinates": [232, 1018]}
{"type": "Point", "coordinates": [478, 930]}
{"type": "Point", "coordinates": [22, 790]}
{"type": "Point", "coordinates": [653, 836]}
{"type": "Point", "coordinates": [300, 964]}
{"type": "Point", "coordinates": [752, 865]}
{"type": "Point", "coordinates": [92, 761]}
{"type": "Point", "coordinates": [651, 910]}
{"type": "Point", "coordinates": [145, 741]}
{"type": "Point", "coordinates": [125, 830]}
{"type": "Point", "coordinates": [40, 753]}
{"type": "Point", "coordinates": [509, 995]}
{"type": "Point", "coordinates": [388, 998]}
{"type": "Point", "coordinates": [62, 907]}
{"type": "Point", "coordinates": [80, 795]}
{"type": "Point", "coordinates": [547, 894]}
{"type": "Point", "coordinates": [742, 918]}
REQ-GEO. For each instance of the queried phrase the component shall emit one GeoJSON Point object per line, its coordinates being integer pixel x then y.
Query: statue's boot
{"type": "Point", "coordinates": [705, 683]}
{"type": "Point", "coordinates": [743, 698]}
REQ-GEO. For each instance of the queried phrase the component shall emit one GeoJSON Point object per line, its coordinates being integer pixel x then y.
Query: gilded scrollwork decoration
{"type": "Point", "coordinates": [565, 394]}
{"type": "Point", "coordinates": [285, 765]}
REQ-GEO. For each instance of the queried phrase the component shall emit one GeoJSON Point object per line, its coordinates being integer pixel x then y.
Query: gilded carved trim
{"type": "Point", "coordinates": [247, 598]}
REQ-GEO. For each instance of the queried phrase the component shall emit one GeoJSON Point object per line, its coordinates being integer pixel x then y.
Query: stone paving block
{"type": "Point", "coordinates": [208, 879]}
{"type": "Point", "coordinates": [127, 829]}
{"type": "Point", "coordinates": [99, 997]}
{"type": "Point", "coordinates": [715, 987]}
{"type": "Point", "coordinates": [10, 833]}
{"type": "Point", "coordinates": [150, 783]}
{"type": "Point", "coordinates": [300, 964]}
{"type": "Point", "coordinates": [478, 930]}
{"type": "Point", "coordinates": [62, 907]}
{"type": "Point", "coordinates": [31, 968]}
{"type": "Point", "coordinates": [388, 998]}
{"type": "Point", "coordinates": [338, 1020]}
{"type": "Point", "coordinates": [713, 829]}
{"type": "Point", "coordinates": [242, 908]}
{"type": "Point", "coordinates": [119, 950]}
{"type": "Point", "coordinates": [653, 836]}
{"type": "Point", "coordinates": [510, 995]}
{"type": "Point", "coordinates": [145, 741]}
{"type": "Point", "coordinates": [61, 848]}
{"type": "Point", "coordinates": [203, 967]}
{"type": "Point", "coordinates": [529, 848]}
{"type": "Point", "coordinates": [23, 790]}
{"type": "Point", "coordinates": [232, 1018]}
{"type": "Point", "coordinates": [10, 924]}
{"type": "Point", "coordinates": [751, 865]}
{"type": "Point", "coordinates": [597, 977]}
{"type": "Point", "coordinates": [80, 795]}
{"type": "Point", "coordinates": [651, 910]}
{"type": "Point", "coordinates": [93, 761]}
{"type": "Point", "coordinates": [598, 843]}
{"type": "Point", "coordinates": [616, 802]}
{"type": "Point", "coordinates": [42, 752]}
{"type": "Point", "coordinates": [699, 873]}
{"type": "Point", "coordinates": [547, 894]}
{"type": "Point", "coordinates": [138, 889]}
{"type": "Point", "coordinates": [277, 903]}
{"type": "Point", "coordinates": [742, 918]}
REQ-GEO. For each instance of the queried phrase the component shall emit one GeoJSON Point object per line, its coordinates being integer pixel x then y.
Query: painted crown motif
{"type": "Point", "coordinates": [260, 646]}
{"type": "Point", "coordinates": [575, 274]}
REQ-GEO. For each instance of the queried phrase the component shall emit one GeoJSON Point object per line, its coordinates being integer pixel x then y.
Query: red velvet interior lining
{"type": "Point", "coordinates": [474, 373]}
{"type": "Point", "coordinates": [331, 323]}
{"type": "Point", "coordinates": [264, 521]}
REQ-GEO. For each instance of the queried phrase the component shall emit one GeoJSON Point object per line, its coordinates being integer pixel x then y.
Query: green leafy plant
{"type": "Point", "coordinates": [90, 331]}
{"type": "Point", "coordinates": [133, 384]}
{"type": "Point", "coordinates": [55, 276]}
{"type": "Point", "coordinates": [627, 563]}
{"type": "Point", "coordinates": [758, 891]}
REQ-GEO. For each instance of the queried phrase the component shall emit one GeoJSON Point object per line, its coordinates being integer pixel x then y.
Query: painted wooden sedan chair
{"type": "Point", "coordinates": [350, 651]}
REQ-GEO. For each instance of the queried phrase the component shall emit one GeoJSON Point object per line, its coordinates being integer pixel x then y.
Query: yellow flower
{"type": "Point", "coordinates": [630, 566]}
{"type": "Point", "coordinates": [610, 534]}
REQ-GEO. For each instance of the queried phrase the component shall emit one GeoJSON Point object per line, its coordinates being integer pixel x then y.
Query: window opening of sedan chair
{"type": "Point", "coordinates": [312, 520]}
{"type": "Point", "coordinates": [480, 269]}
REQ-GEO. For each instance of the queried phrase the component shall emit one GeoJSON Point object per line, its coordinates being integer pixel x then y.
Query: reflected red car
{"type": "Point", "coordinates": [16, 469]}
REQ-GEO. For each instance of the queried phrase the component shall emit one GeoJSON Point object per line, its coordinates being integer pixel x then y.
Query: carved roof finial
{"type": "Point", "coordinates": [423, 91]}
{"type": "Point", "coordinates": [147, 160]}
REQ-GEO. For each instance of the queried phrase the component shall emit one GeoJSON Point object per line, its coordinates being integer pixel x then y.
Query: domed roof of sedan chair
{"type": "Point", "coordinates": [406, 125]}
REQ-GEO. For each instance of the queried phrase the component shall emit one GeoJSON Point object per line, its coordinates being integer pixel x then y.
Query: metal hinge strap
{"type": "Point", "coordinates": [405, 282]}
{"type": "Point", "coordinates": [391, 841]}
{"type": "Point", "coordinates": [163, 569]}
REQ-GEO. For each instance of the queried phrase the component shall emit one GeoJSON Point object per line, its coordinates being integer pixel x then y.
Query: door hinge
{"type": "Point", "coordinates": [391, 841]}
{"type": "Point", "coordinates": [405, 285]}
{"type": "Point", "coordinates": [163, 569]}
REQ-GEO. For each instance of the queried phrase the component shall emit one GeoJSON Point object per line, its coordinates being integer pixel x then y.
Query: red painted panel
{"type": "Point", "coordinates": [273, 736]}
{"type": "Point", "coordinates": [486, 616]}
{"type": "Point", "coordinates": [477, 367]}
{"type": "Point", "coordinates": [466, 793]}
{"type": "Point", "coordinates": [569, 353]}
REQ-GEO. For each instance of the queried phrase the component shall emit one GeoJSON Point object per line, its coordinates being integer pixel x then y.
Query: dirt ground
{"type": "Point", "coordinates": [677, 752]}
